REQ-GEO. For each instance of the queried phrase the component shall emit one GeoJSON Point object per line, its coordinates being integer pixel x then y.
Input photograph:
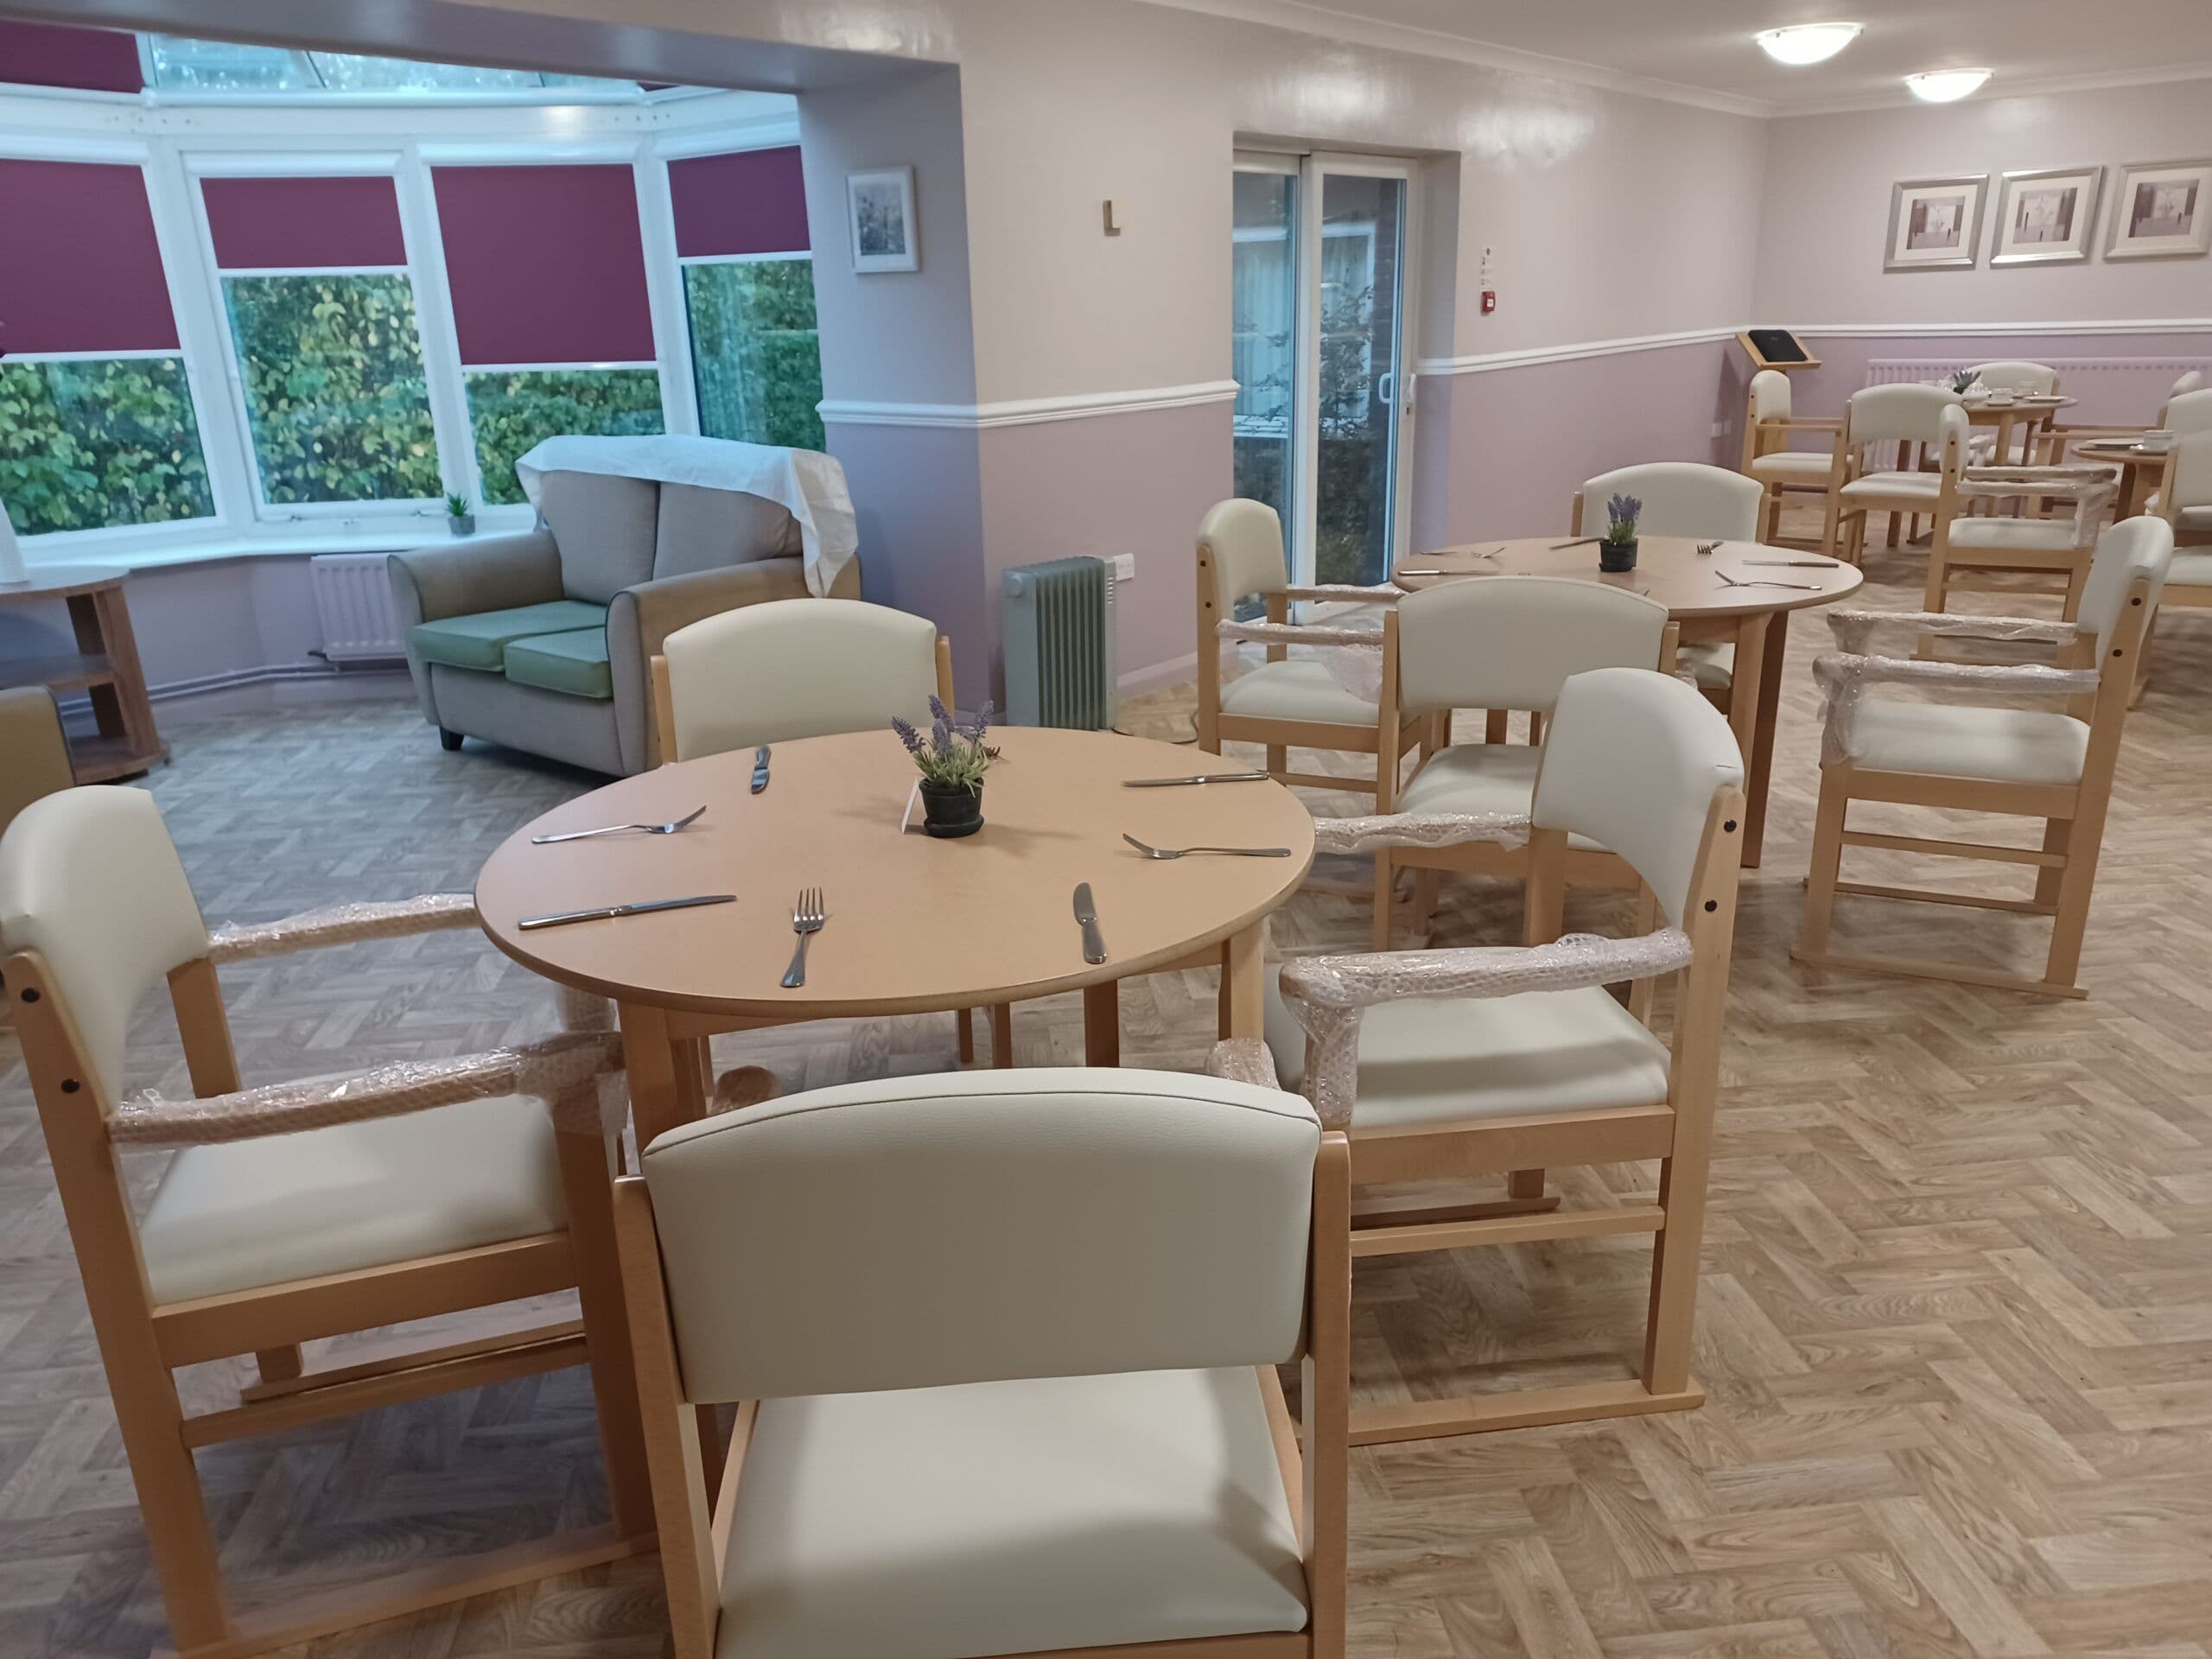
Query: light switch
{"type": "Point", "coordinates": [1125, 567]}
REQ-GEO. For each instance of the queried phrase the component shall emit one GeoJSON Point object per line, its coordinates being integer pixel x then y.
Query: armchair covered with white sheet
{"type": "Point", "coordinates": [296, 1212]}
{"type": "Point", "coordinates": [1920, 421]}
{"type": "Point", "coordinates": [1501, 645]}
{"type": "Point", "coordinates": [1005, 1345]}
{"type": "Point", "coordinates": [1451, 1065]}
{"type": "Point", "coordinates": [2054, 764]}
{"type": "Point", "coordinates": [1284, 700]}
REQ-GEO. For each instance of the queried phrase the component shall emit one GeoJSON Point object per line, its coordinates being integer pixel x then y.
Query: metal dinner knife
{"type": "Point", "coordinates": [1094, 941]}
{"type": "Point", "coordinates": [563, 918]}
{"type": "Point", "coordinates": [759, 768]}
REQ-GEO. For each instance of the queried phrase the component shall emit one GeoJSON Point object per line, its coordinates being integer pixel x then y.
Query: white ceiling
{"type": "Point", "coordinates": [1703, 50]}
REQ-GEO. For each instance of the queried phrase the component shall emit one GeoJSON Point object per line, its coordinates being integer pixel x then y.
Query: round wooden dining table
{"type": "Point", "coordinates": [914, 923]}
{"type": "Point", "coordinates": [1742, 594]}
{"type": "Point", "coordinates": [2141, 469]}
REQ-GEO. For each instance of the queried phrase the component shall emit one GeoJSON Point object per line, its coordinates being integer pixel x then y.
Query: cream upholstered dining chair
{"type": "Point", "coordinates": [1453, 1065]}
{"type": "Point", "coordinates": [1688, 498]}
{"type": "Point", "coordinates": [293, 1211]}
{"type": "Point", "coordinates": [2187, 416]}
{"type": "Point", "coordinates": [1284, 700]}
{"type": "Point", "coordinates": [2059, 438]}
{"type": "Point", "coordinates": [1930, 419]}
{"type": "Point", "coordinates": [2186, 504]}
{"type": "Point", "coordinates": [2051, 553]}
{"type": "Point", "coordinates": [2022, 379]}
{"type": "Point", "coordinates": [2055, 765]}
{"type": "Point", "coordinates": [1501, 645]}
{"type": "Point", "coordinates": [1769, 426]}
{"type": "Point", "coordinates": [1043, 1416]}
{"type": "Point", "coordinates": [798, 668]}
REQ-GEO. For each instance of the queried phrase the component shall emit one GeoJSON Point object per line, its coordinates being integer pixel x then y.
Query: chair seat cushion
{"type": "Point", "coordinates": [1010, 1517]}
{"type": "Point", "coordinates": [1460, 1059]}
{"type": "Point", "coordinates": [2013, 746]}
{"type": "Point", "coordinates": [2196, 520]}
{"type": "Point", "coordinates": [481, 641]}
{"type": "Point", "coordinates": [1479, 778]}
{"type": "Point", "coordinates": [1796, 466]}
{"type": "Point", "coordinates": [1711, 663]}
{"type": "Point", "coordinates": [1301, 688]}
{"type": "Point", "coordinates": [2011, 535]}
{"type": "Point", "coordinates": [2192, 568]}
{"type": "Point", "coordinates": [242, 1213]}
{"type": "Point", "coordinates": [574, 661]}
{"type": "Point", "coordinates": [1882, 485]}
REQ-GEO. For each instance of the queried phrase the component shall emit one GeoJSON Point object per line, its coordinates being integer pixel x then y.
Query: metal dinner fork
{"type": "Point", "coordinates": [1802, 587]}
{"type": "Point", "coordinates": [668, 829]}
{"type": "Point", "coordinates": [807, 917]}
{"type": "Point", "coordinates": [1227, 852]}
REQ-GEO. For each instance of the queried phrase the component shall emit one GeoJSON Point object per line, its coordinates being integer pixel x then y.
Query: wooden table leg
{"type": "Point", "coordinates": [657, 1090]}
{"type": "Point", "coordinates": [1102, 1024]}
{"type": "Point", "coordinates": [101, 621]}
{"type": "Point", "coordinates": [1759, 762]}
{"type": "Point", "coordinates": [1244, 981]}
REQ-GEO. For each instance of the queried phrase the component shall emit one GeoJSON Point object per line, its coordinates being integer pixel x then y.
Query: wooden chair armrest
{"type": "Point", "coordinates": [1293, 633]}
{"type": "Point", "coordinates": [1852, 629]}
{"type": "Point", "coordinates": [312, 929]}
{"type": "Point", "coordinates": [1375, 832]}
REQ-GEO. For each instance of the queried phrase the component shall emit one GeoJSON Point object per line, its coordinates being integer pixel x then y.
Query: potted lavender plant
{"type": "Point", "coordinates": [952, 759]}
{"type": "Point", "coordinates": [1617, 547]}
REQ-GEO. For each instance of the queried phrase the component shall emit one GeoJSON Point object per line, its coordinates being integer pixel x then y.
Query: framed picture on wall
{"type": "Point", "coordinates": [2164, 208]}
{"type": "Point", "coordinates": [882, 209]}
{"type": "Point", "coordinates": [1935, 224]}
{"type": "Point", "coordinates": [2046, 218]}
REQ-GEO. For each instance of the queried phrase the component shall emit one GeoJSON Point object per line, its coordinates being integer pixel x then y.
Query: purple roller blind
{"type": "Point", "coordinates": [83, 60]}
{"type": "Point", "coordinates": [545, 263]}
{"type": "Point", "coordinates": [753, 202]}
{"type": "Point", "coordinates": [80, 269]}
{"type": "Point", "coordinates": [296, 224]}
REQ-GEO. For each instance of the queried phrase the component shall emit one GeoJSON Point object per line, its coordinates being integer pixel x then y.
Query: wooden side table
{"type": "Point", "coordinates": [105, 665]}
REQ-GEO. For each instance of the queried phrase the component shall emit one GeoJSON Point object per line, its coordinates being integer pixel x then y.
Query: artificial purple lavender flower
{"type": "Point", "coordinates": [1624, 510]}
{"type": "Point", "coordinates": [907, 734]}
{"type": "Point", "coordinates": [974, 730]}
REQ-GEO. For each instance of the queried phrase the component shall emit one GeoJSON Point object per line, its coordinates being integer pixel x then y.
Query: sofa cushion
{"type": "Point", "coordinates": [574, 661]}
{"type": "Point", "coordinates": [702, 529]}
{"type": "Point", "coordinates": [481, 641]}
{"type": "Point", "coordinates": [604, 527]}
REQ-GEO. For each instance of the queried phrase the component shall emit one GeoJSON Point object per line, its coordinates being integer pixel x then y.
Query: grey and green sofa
{"type": "Point", "coordinates": [540, 640]}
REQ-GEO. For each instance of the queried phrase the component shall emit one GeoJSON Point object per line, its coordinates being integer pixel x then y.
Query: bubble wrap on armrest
{"type": "Point", "coordinates": [1852, 629]}
{"type": "Point", "coordinates": [565, 1071]}
{"type": "Point", "coordinates": [342, 924]}
{"type": "Point", "coordinates": [1373, 833]}
{"type": "Point", "coordinates": [1843, 680]}
{"type": "Point", "coordinates": [1244, 1060]}
{"type": "Point", "coordinates": [1346, 593]}
{"type": "Point", "coordinates": [1298, 634]}
{"type": "Point", "coordinates": [1328, 995]}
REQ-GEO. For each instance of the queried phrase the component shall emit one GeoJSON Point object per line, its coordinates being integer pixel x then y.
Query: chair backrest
{"type": "Point", "coordinates": [1899, 414]}
{"type": "Point", "coordinates": [795, 668]}
{"type": "Point", "coordinates": [2192, 381]}
{"type": "Point", "coordinates": [1632, 760]}
{"type": "Point", "coordinates": [2134, 548]}
{"type": "Point", "coordinates": [2191, 411]}
{"type": "Point", "coordinates": [1681, 498]}
{"type": "Point", "coordinates": [2029, 380]}
{"type": "Point", "coordinates": [1770, 396]}
{"type": "Point", "coordinates": [1510, 642]}
{"type": "Point", "coordinates": [2189, 477]}
{"type": "Point", "coordinates": [90, 880]}
{"type": "Point", "coordinates": [1244, 539]}
{"type": "Point", "coordinates": [983, 1225]}
{"type": "Point", "coordinates": [34, 753]}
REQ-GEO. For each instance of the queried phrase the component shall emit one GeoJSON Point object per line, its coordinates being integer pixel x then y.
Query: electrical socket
{"type": "Point", "coordinates": [1125, 567]}
{"type": "Point", "coordinates": [1722, 428]}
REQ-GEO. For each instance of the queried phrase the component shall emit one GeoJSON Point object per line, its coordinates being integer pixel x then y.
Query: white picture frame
{"type": "Point", "coordinates": [879, 219]}
{"type": "Point", "coordinates": [2045, 216]}
{"type": "Point", "coordinates": [1935, 224]}
{"type": "Point", "coordinates": [2162, 210]}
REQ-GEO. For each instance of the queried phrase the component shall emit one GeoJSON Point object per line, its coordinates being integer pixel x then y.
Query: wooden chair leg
{"type": "Point", "coordinates": [1673, 1316]}
{"type": "Point", "coordinates": [1939, 581]}
{"type": "Point", "coordinates": [167, 1486]}
{"type": "Point", "coordinates": [1002, 1035]}
{"type": "Point", "coordinates": [1827, 863]}
{"type": "Point", "coordinates": [279, 1365]}
{"type": "Point", "coordinates": [1889, 537]}
{"type": "Point", "coordinates": [1278, 759]}
{"type": "Point", "coordinates": [2077, 877]}
{"type": "Point", "coordinates": [964, 1023]}
{"type": "Point", "coordinates": [1383, 876]}
{"type": "Point", "coordinates": [1426, 885]}
{"type": "Point", "coordinates": [1828, 525]}
{"type": "Point", "coordinates": [2057, 836]}
{"type": "Point", "coordinates": [1525, 1183]}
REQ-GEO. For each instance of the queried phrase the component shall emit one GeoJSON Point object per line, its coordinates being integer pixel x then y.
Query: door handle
{"type": "Point", "coordinates": [1386, 388]}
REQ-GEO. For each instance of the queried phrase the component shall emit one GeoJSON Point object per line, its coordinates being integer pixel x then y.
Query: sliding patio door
{"type": "Point", "coordinates": [1320, 308]}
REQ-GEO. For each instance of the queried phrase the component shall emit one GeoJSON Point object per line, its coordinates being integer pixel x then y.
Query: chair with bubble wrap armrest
{"type": "Point", "coordinates": [1954, 754]}
{"type": "Point", "coordinates": [1284, 700]}
{"type": "Point", "coordinates": [1448, 1065]}
{"type": "Point", "coordinates": [1969, 548]}
{"type": "Point", "coordinates": [1046, 1419]}
{"type": "Point", "coordinates": [298, 1211]}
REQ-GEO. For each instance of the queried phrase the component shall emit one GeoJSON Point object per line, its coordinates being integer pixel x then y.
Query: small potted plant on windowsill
{"type": "Point", "coordinates": [952, 759]}
{"type": "Point", "coordinates": [1617, 547]}
{"type": "Point", "coordinates": [460, 515]}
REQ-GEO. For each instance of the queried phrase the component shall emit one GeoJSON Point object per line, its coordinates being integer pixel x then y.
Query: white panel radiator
{"type": "Point", "coordinates": [2111, 389]}
{"type": "Point", "coordinates": [352, 601]}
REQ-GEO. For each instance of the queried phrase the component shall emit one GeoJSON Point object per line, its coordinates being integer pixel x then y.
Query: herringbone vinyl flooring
{"type": "Point", "coordinates": [1957, 1319]}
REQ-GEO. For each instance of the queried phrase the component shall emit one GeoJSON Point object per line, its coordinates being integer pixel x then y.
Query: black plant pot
{"type": "Point", "coordinates": [949, 811]}
{"type": "Point", "coordinates": [1616, 558]}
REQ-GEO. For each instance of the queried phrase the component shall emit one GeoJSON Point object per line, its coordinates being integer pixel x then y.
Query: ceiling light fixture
{"type": "Point", "coordinates": [1946, 86]}
{"type": "Point", "coordinates": [1803, 43]}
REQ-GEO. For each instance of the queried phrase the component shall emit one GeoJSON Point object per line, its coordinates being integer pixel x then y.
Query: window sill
{"type": "Point", "coordinates": [270, 542]}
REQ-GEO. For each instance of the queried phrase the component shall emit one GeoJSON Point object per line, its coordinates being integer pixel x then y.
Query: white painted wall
{"type": "Point", "coordinates": [1827, 205]}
